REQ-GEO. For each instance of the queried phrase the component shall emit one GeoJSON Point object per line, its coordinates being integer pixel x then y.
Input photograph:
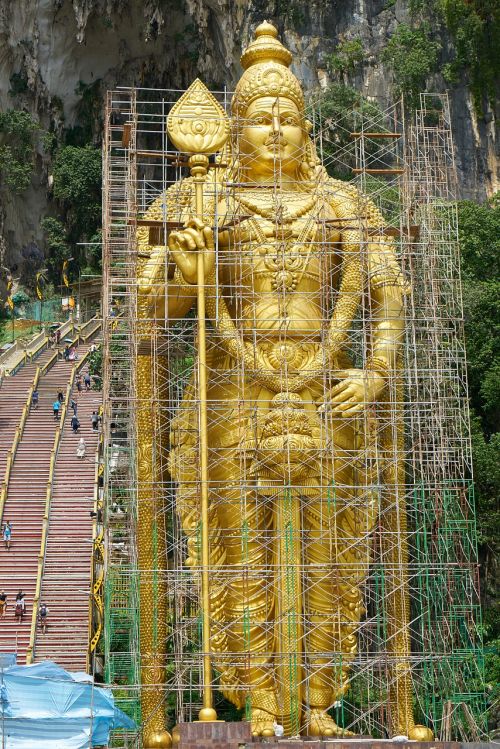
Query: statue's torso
{"type": "Point", "coordinates": [277, 274]}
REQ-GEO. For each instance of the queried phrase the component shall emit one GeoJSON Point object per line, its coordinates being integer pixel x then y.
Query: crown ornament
{"type": "Point", "coordinates": [266, 61]}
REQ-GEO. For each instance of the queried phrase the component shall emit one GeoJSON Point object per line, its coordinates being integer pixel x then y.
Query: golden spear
{"type": "Point", "coordinates": [198, 125]}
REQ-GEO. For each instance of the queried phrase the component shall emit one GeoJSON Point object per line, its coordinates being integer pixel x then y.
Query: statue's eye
{"type": "Point", "coordinates": [290, 121]}
{"type": "Point", "coordinates": [259, 120]}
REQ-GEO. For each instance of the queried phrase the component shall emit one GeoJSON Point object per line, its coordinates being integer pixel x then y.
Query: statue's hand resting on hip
{"type": "Point", "coordinates": [185, 245]}
{"type": "Point", "coordinates": [357, 389]}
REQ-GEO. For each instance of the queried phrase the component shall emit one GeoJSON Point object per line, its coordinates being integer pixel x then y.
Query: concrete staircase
{"type": "Point", "coordinates": [25, 502]}
{"type": "Point", "coordinates": [67, 572]}
{"type": "Point", "coordinates": [12, 399]}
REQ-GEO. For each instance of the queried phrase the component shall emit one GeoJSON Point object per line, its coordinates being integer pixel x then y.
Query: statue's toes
{"type": "Point", "coordinates": [262, 724]}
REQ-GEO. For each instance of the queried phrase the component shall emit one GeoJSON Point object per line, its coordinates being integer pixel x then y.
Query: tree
{"type": "Point", "coordinates": [17, 148]}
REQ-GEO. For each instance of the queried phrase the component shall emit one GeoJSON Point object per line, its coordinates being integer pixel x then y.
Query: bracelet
{"type": "Point", "coordinates": [378, 365]}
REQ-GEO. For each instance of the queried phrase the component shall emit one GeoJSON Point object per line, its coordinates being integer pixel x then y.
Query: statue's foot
{"type": "Point", "coordinates": [420, 733]}
{"type": "Point", "coordinates": [319, 723]}
{"type": "Point", "coordinates": [262, 722]}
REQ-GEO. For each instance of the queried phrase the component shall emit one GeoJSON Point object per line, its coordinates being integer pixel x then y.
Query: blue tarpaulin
{"type": "Point", "coordinates": [45, 707]}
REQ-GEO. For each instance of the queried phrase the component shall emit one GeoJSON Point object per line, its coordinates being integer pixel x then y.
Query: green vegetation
{"type": "Point", "coordinates": [77, 173]}
{"type": "Point", "coordinates": [346, 57]}
{"type": "Point", "coordinates": [474, 26]}
{"type": "Point", "coordinates": [18, 131]}
{"type": "Point", "coordinates": [413, 56]}
{"type": "Point", "coordinates": [479, 229]}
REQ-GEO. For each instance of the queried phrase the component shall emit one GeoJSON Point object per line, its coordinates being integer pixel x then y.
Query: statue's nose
{"type": "Point", "coordinates": [276, 125]}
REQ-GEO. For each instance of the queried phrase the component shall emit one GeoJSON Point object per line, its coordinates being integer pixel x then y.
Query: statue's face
{"type": "Point", "coordinates": [272, 137]}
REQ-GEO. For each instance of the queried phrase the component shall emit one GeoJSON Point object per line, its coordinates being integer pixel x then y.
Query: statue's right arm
{"type": "Point", "coordinates": [163, 291]}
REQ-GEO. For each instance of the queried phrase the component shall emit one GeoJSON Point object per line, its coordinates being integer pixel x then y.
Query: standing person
{"type": "Point", "coordinates": [20, 606]}
{"type": "Point", "coordinates": [7, 534]}
{"type": "Point", "coordinates": [60, 396]}
{"type": "Point", "coordinates": [74, 406]}
{"type": "Point", "coordinates": [95, 421]}
{"type": "Point", "coordinates": [72, 354]}
{"type": "Point", "coordinates": [55, 407]}
{"type": "Point", "coordinates": [3, 603]}
{"type": "Point", "coordinates": [66, 352]}
{"type": "Point", "coordinates": [43, 613]}
{"type": "Point", "coordinates": [58, 336]}
{"type": "Point", "coordinates": [34, 399]}
{"type": "Point", "coordinates": [75, 424]}
{"type": "Point", "coordinates": [79, 383]}
{"type": "Point", "coordinates": [88, 381]}
{"type": "Point", "coordinates": [81, 448]}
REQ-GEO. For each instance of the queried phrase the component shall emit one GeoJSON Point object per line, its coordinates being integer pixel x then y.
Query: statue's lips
{"type": "Point", "coordinates": [275, 145]}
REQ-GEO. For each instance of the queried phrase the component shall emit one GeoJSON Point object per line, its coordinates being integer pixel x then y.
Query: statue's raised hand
{"type": "Point", "coordinates": [185, 246]}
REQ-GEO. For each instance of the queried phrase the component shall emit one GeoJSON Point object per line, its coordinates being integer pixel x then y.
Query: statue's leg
{"type": "Point", "coordinates": [245, 520]}
{"type": "Point", "coordinates": [337, 524]}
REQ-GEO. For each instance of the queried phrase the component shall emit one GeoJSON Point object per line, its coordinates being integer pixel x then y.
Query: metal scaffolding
{"type": "Point", "coordinates": [419, 536]}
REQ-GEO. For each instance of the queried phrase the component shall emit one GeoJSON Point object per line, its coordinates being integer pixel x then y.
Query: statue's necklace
{"type": "Point", "coordinates": [280, 212]}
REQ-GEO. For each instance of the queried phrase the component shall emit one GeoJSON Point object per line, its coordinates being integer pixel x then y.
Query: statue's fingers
{"type": "Point", "coordinates": [353, 410]}
{"type": "Point", "coordinates": [339, 387]}
{"type": "Point", "coordinates": [209, 238]}
{"type": "Point", "coordinates": [195, 223]}
{"type": "Point", "coordinates": [189, 242]}
{"type": "Point", "coordinates": [196, 236]}
{"type": "Point", "coordinates": [172, 240]}
{"type": "Point", "coordinates": [181, 242]}
{"type": "Point", "coordinates": [342, 407]}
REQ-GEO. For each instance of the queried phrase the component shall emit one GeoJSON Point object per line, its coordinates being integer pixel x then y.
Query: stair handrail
{"type": "Point", "coordinates": [95, 323]}
{"type": "Point", "coordinates": [96, 604]}
{"type": "Point", "coordinates": [48, 500]}
{"type": "Point", "coordinates": [11, 454]}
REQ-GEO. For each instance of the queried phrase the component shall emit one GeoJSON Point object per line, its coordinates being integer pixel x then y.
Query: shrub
{"type": "Point", "coordinates": [413, 56]}
{"type": "Point", "coordinates": [17, 138]}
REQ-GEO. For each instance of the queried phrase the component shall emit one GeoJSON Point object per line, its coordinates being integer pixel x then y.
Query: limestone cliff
{"type": "Point", "coordinates": [55, 46]}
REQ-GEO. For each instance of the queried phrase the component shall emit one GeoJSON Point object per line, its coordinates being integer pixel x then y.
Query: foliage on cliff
{"type": "Point", "coordinates": [479, 233]}
{"type": "Point", "coordinates": [18, 131]}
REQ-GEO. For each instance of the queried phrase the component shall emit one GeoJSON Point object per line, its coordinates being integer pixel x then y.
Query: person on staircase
{"type": "Point", "coordinates": [74, 406]}
{"type": "Point", "coordinates": [20, 606]}
{"type": "Point", "coordinates": [75, 424]}
{"type": "Point", "coordinates": [60, 396]}
{"type": "Point", "coordinates": [7, 534]}
{"type": "Point", "coordinates": [81, 449]}
{"type": "Point", "coordinates": [34, 399]}
{"type": "Point", "coordinates": [88, 381]}
{"type": "Point", "coordinates": [43, 614]}
{"type": "Point", "coordinates": [55, 407]}
{"type": "Point", "coordinates": [95, 421]}
{"type": "Point", "coordinates": [3, 604]}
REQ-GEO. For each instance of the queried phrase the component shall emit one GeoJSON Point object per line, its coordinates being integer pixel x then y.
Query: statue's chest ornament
{"type": "Point", "coordinates": [286, 258]}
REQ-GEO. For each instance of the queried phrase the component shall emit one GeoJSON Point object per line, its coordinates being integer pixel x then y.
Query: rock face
{"type": "Point", "coordinates": [55, 46]}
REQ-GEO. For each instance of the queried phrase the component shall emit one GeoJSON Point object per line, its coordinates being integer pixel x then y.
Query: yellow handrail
{"type": "Point", "coordinates": [46, 514]}
{"type": "Point", "coordinates": [15, 442]}
{"type": "Point", "coordinates": [96, 580]}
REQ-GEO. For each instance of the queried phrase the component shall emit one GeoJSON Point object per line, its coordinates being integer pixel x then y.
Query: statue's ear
{"type": "Point", "coordinates": [308, 126]}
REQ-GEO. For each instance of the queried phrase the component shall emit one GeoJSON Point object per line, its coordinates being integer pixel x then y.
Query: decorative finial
{"type": "Point", "coordinates": [266, 47]}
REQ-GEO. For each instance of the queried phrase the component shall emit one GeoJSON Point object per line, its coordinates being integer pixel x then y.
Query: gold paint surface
{"type": "Point", "coordinates": [292, 497]}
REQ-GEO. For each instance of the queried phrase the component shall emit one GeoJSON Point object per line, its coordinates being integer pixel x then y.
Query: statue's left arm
{"type": "Point", "coordinates": [385, 289]}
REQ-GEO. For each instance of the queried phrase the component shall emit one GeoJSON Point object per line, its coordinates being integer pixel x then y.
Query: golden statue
{"type": "Point", "coordinates": [301, 450]}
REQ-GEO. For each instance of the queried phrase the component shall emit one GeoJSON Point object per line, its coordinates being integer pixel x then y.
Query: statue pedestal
{"type": "Point", "coordinates": [352, 743]}
{"type": "Point", "coordinates": [220, 735]}
{"type": "Point", "coordinates": [216, 735]}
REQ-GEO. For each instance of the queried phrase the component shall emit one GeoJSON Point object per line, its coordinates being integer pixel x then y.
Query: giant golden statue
{"type": "Point", "coordinates": [304, 301]}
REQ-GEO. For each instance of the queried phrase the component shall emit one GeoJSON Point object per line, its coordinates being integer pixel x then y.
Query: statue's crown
{"type": "Point", "coordinates": [266, 61]}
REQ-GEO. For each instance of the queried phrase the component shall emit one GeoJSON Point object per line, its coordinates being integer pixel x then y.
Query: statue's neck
{"type": "Point", "coordinates": [277, 181]}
